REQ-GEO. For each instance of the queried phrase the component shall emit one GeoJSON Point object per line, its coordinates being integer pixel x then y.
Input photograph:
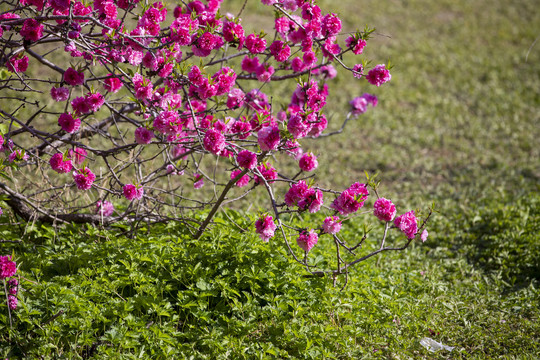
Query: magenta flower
{"type": "Point", "coordinates": [243, 181]}
{"type": "Point", "coordinates": [214, 141]}
{"type": "Point", "coordinates": [308, 162]}
{"type": "Point", "coordinates": [60, 165]}
{"type": "Point", "coordinates": [384, 209]}
{"type": "Point", "coordinates": [68, 123]}
{"type": "Point", "coordinates": [17, 156]}
{"type": "Point", "coordinates": [296, 193]}
{"type": "Point", "coordinates": [199, 181]}
{"type": "Point", "coordinates": [84, 178]}
{"type": "Point", "coordinates": [112, 84]}
{"type": "Point", "coordinates": [424, 235]}
{"type": "Point", "coordinates": [268, 137]}
{"type": "Point", "coordinates": [133, 192]}
{"type": "Point", "coordinates": [331, 225]}
{"type": "Point", "coordinates": [407, 224]}
{"type": "Point", "coordinates": [77, 155]}
{"type": "Point", "coordinates": [255, 44]}
{"type": "Point", "coordinates": [356, 44]}
{"type": "Point", "coordinates": [73, 77]}
{"type": "Point", "coordinates": [104, 208]}
{"type": "Point", "coordinates": [8, 268]}
{"type": "Point", "coordinates": [268, 172]}
{"type": "Point", "coordinates": [143, 136]}
{"type": "Point", "coordinates": [12, 302]}
{"type": "Point", "coordinates": [60, 93]}
{"type": "Point", "coordinates": [235, 98]}
{"type": "Point", "coordinates": [307, 240]}
{"type": "Point", "coordinates": [350, 200]}
{"type": "Point", "coordinates": [17, 63]}
{"type": "Point", "coordinates": [358, 71]}
{"type": "Point", "coordinates": [13, 286]}
{"type": "Point", "coordinates": [247, 159]}
{"type": "Point", "coordinates": [32, 30]}
{"type": "Point", "coordinates": [265, 227]}
{"type": "Point", "coordinates": [378, 75]}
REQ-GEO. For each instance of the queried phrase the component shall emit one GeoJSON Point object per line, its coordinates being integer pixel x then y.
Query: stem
{"type": "Point", "coordinates": [7, 302]}
{"type": "Point", "coordinates": [218, 203]}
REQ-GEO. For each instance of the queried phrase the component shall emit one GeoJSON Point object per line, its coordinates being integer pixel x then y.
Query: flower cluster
{"type": "Point", "coordinates": [350, 200]}
{"type": "Point", "coordinates": [265, 227]}
{"type": "Point", "coordinates": [133, 192]}
{"type": "Point", "coordinates": [305, 197]}
{"type": "Point", "coordinates": [407, 224]}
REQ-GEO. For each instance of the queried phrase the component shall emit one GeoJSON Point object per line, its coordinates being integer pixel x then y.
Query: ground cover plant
{"type": "Point", "coordinates": [464, 137]}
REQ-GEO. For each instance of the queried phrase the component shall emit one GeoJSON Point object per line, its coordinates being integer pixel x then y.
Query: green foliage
{"type": "Point", "coordinates": [90, 293]}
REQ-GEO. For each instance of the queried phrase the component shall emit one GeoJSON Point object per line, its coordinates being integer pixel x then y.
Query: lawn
{"type": "Point", "coordinates": [457, 126]}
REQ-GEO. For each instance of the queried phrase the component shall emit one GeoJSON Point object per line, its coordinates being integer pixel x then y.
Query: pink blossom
{"type": "Point", "coordinates": [77, 155]}
{"type": "Point", "coordinates": [233, 32]}
{"type": "Point", "coordinates": [8, 268]}
{"type": "Point", "coordinates": [378, 75]}
{"type": "Point", "coordinates": [143, 136]}
{"type": "Point", "coordinates": [312, 201]}
{"type": "Point", "coordinates": [133, 192]}
{"type": "Point", "coordinates": [350, 200]}
{"type": "Point", "coordinates": [249, 64]}
{"type": "Point", "coordinates": [424, 235]}
{"type": "Point", "coordinates": [307, 240]}
{"type": "Point", "coordinates": [243, 181]}
{"type": "Point", "coordinates": [264, 72]}
{"type": "Point", "coordinates": [214, 141]}
{"type": "Point", "coordinates": [331, 24]}
{"type": "Point", "coordinates": [407, 224]}
{"type": "Point", "coordinates": [300, 124]}
{"type": "Point", "coordinates": [17, 156]}
{"type": "Point", "coordinates": [13, 285]}
{"type": "Point", "coordinates": [319, 126]}
{"type": "Point", "coordinates": [358, 71]}
{"type": "Point", "coordinates": [279, 50]}
{"type": "Point", "coordinates": [112, 84]}
{"type": "Point", "coordinates": [247, 159]}
{"type": "Point", "coordinates": [60, 93]}
{"type": "Point", "coordinates": [265, 227]}
{"type": "Point", "coordinates": [308, 162]}
{"type": "Point", "coordinates": [255, 44]}
{"type": "Point", "coordinates": [296, 193]}
{"type": "Point", "coordinates": [12, 302]}
{"type": "Point", "coordinates": [17, 63]}
{"type": "Point", "coordinates": [384, 209]}
{"type": "Point", "coordinates": [143, 87]}
{"type": "Point", "coordinates": [168, 122]}
{"type": "Point", "coordinates": [60, 165]}
{"type": "Point", "coordinates": [68, 123]}
{"type": "Point", "coordinates": [32, 30]}
{"type": "Point", "coordinates": [358, 106]}
{"type": "Point", "coordinates": [268, 172]}
{"type": "Point", "coordinates": [331, 225]}
{"type": "Point", "coordinates": [94, 101]}
{"type": "Point", "coordinates": [104, 208]}
{"type": "Point", "coordinates": [235, 98]}
{"type": "Point", "coordinates": [268, 138]}
{"type": "Point", "coordinates": [84, 178]}
{"type": "Point", "coordinates": [199, 181]}
{"type": "Point", "coordinates": [356, 44]}
{"type": "Point", "coordinates": [371, 99]}
{"type": "Point", "coordinates": [73, 77]}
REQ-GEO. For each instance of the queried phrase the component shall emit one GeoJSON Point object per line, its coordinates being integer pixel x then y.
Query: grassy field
{"type": "Point", "coordinates": [458, 125]}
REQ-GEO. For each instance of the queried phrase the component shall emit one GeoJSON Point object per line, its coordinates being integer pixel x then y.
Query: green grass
{"type": "Point", "coordinates": [457, 125]}
{"type": "Point", "coordinates": [165, 295]}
